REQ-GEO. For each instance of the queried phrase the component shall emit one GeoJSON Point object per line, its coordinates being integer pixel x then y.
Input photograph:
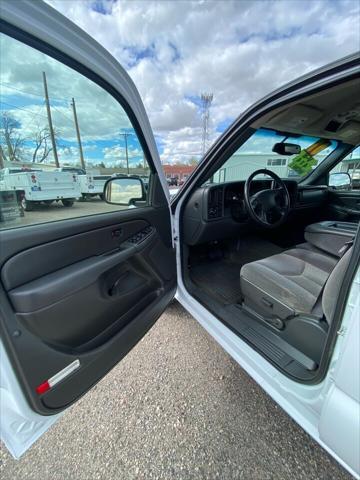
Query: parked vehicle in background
{"type": "Point", "coordinates": [10, 205]}
{"type": "Point", "coordinates": [91, 185]}
{"type": "Point", "coordinates": [172, 181]}
{"type": "Point", "coordinates": [41, 186]}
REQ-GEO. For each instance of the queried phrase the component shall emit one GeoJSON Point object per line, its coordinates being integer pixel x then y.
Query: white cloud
{"type": "Point", "coordinates": [239, 50]}
{"type": "Point", "coordinates": [119, 152]}
{"type": "Point", "coordinates": [22, 91]}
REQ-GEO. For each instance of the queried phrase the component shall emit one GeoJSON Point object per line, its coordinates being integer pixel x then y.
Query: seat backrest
{"type": "Point", "coordinates": [333, 285]}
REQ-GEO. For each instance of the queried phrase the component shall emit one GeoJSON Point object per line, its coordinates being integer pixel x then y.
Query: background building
{"type": "Point", "coordinates": [178, 173]}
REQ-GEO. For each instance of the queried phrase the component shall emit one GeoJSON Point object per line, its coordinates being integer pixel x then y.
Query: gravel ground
{"type": "Point", "coordinates": [177, 407]}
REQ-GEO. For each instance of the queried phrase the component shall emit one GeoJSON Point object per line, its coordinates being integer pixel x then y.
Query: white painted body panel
{"type": "Point", "coordinates": [47, 186]}
{"type": "Point", "coordinates": [339, 425]}
{"type": "Point", "coordinates": [89, 185]}
{"type": "Point", "coordinates": [98, 182]}
{"type": "Point", "coordinates": [20, 425]}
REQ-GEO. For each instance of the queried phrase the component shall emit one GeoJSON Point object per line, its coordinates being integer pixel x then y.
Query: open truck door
{"type": "Point", "coordinates": [77, 294]}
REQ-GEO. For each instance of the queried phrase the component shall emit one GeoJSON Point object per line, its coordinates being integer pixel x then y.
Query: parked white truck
{"type": "Point", "coordinates": [41, 186]}
{"type": "Point", "coordinates": [91, 184]}
{"type": "Point", "coordinates": [95, 186]}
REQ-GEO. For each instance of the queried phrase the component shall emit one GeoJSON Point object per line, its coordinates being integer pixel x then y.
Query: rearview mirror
{"type": "Point", "coordinates": [124, 190]}
{"type": "Point", "coordinates": [340, 181]}
{"type": "Point", "coordinates": [283, 148]}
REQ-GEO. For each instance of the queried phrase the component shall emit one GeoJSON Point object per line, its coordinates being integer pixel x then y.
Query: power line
{"type": "Point", "coordinates": [20, 108]}
{"type": "Point", "coordinates": [66, 100]}
{"type": "Point", "coordinates": [59, 99]}
{"type": "Point", "coordinates": [31, 119]}
{"type": "Point", "coordinates": [21, 91]}
{"type": "Point", "coordinates": [62, 113]}
{"type": "Point", "coordinates": [32, 93]}
{"type": "Point", "coordinates": [39, 114]}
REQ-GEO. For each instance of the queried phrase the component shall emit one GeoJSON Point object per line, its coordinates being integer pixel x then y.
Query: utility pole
{"type": "Point", "coordinates": [51, 130]}
{"type": "Point", "coordinates": [82, 161]}
{"type": "Point", "coordinates": [126, 152]}
{"type": "Point", "coordinates": [126, 135]}
{"type": "Point", "coordinates": [206, 99]}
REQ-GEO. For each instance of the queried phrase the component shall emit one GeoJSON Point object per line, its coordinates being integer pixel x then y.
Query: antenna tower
{"type": "Point", "coordinates": [206, 99]}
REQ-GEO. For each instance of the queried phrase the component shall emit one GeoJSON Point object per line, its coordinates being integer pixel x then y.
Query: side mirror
{"type": "Point", "coordinates": [283, 148]}
{"type": "Point", "coordinates": [124, 190]}
{"type": "Point", "coordinates": [340, 181]}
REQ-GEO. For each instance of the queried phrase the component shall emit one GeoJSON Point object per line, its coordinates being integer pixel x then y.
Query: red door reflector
{"type": "Point", "coordinates": [58, 377]}
{"type": "Point", "coordinates": [42, 388]}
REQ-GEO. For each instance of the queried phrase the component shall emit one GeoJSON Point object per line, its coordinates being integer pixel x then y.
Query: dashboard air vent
{"type": "Point", "coordinates": [215, 203]}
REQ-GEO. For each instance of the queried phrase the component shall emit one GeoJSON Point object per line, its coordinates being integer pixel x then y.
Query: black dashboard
{"type": "Point", "coordinates": [217, 211]}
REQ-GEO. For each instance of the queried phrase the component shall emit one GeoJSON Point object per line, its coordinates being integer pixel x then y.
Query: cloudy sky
{"type": "Point", "coordinates": [103, 122]}
{"type": "Point", "coordinates": [237, 50]}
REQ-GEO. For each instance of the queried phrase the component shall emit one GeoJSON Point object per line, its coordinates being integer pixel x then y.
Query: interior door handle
{"type": "Point", "coordinates": [115, 286]}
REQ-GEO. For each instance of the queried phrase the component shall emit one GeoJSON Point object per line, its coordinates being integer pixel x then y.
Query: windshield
{"type": "Point", "coordinates": [256, 153]}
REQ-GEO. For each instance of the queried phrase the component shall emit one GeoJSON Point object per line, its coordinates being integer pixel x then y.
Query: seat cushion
{"type": "Point", "coordinates": [291, 281]}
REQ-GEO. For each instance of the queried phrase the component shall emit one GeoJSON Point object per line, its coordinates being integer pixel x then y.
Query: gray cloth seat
{"type": "Point", "coordinates": [286, 284]}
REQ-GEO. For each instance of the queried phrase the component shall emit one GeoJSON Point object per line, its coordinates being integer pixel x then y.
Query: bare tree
{"type": "Point", "coordinates": [10, 137]}
{"type": "Point", "coordinates": [42, 140]}
{"type": "Point", "coordinates": [2, 157]}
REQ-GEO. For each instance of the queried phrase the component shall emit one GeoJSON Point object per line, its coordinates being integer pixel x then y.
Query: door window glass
{"type": "Point", "coordinates": [61, 137]}
{"type": "Point", "coordinates": [351, 165]}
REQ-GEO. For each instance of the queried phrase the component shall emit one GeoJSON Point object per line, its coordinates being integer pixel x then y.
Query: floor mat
{"type": "Point", "coordinates": [252, 248]}
{"type": "Point", "coordinates": [220, 278]}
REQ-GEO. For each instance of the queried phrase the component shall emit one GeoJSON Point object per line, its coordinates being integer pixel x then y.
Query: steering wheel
{"type": "Point", "coordinates": [268, 208]}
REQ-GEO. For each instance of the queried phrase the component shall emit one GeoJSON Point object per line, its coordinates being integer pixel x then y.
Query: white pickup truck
{"type": "Point", "coordinates": [91, 184]}
{"type": "Point", "coordinates": [41, 186]}
{"type": "Point", "coordinates": [95, 186]}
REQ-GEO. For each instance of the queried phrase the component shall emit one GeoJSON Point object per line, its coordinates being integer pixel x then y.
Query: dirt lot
{"type": "Point", "coordinates": [177, 407]}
